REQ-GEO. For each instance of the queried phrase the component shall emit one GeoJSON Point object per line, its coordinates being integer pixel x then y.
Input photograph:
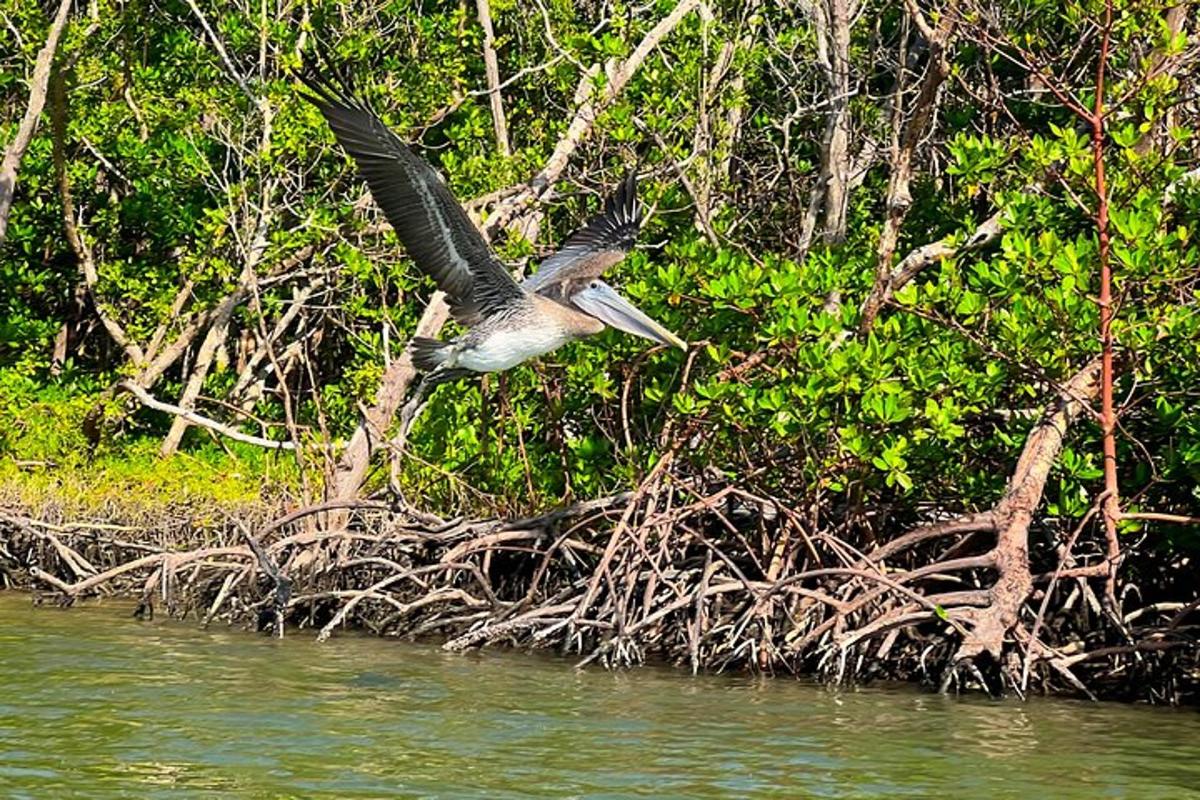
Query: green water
{"type": "Point", "coordinates": [95, 704]}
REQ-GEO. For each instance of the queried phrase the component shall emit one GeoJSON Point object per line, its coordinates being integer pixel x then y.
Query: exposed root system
{"type": "Point", "coordinates": [711, 577]}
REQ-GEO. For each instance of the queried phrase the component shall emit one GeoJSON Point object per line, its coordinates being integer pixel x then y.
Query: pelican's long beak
{"type": "Point", "coordinates": [605, 304]}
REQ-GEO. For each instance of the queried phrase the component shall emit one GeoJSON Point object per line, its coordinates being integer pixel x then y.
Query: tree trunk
{"type": "Point", "coordinates": [899, 196]}
{"type": "Point", "coordinates": [837, 132]}
{"type": "Point", "coordinates": [38, 84]}
{"type": "Point", "coordinates": [493, 77]}
{"type": "Point", "coordinates": [989, 626]}
{"type": "Point", "coordinates": [831, 194]}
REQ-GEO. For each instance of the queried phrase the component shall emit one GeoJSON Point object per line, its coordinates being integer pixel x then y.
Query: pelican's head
{"type": "Point", "coordinates": [607, 305]}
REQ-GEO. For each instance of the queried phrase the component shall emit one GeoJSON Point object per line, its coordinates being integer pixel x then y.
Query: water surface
{"type": "Point", "coordinates": [96, 704]}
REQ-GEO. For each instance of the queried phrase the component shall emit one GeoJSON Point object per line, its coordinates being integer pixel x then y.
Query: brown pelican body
{"type": "Point", "coordinates": [507, 322]}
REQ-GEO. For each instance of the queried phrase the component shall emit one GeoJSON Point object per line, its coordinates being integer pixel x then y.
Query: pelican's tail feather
{"type": "Point", "coordinates": [429, 354]}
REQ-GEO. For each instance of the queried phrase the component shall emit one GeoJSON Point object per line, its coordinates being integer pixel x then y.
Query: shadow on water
{"type": "Point", "coordinates": [96, 704]}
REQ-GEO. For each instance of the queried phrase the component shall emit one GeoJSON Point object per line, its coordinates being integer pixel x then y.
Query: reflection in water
{"type": "Point", "coordinates": [999, 731]}
{"type": "Point", "coordinates": [95, 704]}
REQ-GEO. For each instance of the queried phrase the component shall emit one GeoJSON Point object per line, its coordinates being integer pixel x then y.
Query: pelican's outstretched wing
{"type": "Point", "coordinates": [429, 222]}
{"type": "Point", "coordinates": [596, 246]}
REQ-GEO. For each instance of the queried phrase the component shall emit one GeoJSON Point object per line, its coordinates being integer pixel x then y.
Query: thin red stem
{"type": "Point", "coordinates": [1108, 418]}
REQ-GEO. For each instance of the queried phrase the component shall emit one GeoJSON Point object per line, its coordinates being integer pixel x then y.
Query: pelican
{"type": "Point", "coordinates": [507, 322]}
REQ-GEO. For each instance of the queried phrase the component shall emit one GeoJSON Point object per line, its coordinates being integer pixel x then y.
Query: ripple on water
{"type": "Point", "coordinates": [96, 704]}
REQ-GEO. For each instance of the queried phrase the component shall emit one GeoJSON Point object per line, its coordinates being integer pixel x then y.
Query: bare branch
{"type": "Point", "coordinates": [899, 197]}
{"type": "Point", "coordinates": [928, 254]}
{"type": "Point", "coordinates": [493, 77]}
{"type": "Point", "coordinates": [150, 401]}
{"type": "Point", "coordinates": [38, 84]}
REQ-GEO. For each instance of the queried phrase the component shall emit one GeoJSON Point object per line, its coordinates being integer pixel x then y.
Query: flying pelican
{"type": "Point", "coordinates": [507, 322]}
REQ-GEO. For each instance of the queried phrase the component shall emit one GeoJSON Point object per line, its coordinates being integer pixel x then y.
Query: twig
{"type": "Point", "coordinates": [150, 401]}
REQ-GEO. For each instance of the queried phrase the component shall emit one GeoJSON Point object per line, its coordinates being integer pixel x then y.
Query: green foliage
{"type": "Point", "coordinates": [51, 463]}
{"type": "Point", "coordinates": [169, 162]}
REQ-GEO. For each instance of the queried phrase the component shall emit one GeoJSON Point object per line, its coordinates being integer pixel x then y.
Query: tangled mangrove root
{"type": "Point", "coordinates": [685, 569]}
{"type": "Point", "coordinates": [709, 577]}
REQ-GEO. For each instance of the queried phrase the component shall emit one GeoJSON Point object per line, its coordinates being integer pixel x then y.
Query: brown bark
{"type": "Point", "coordinates": [989, 626]}
{"type": "Point", "coordinates": [899, 196]}
{"type": "Point", "coordinates": [247, 367]}
{"type": "Point", "coordinates": [1111, 507]}
{"type": "Point", "coordinates": [38, 85]}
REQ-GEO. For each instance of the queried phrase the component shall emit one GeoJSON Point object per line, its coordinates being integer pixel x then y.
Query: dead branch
{"type": "Point", "coordinates": [193, 418]}
{"type": "Point", "coordinates": [904, 146]}
{"type": "Point", "coordinates": [38, 84]}
{"type": "Point", "coordinates": [483, 8]}
{"type": "Point", "coordinates": [927, 255]}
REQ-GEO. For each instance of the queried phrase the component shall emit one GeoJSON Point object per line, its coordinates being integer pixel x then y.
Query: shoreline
{"type": "Point", "coordinates": [655, 668]}
{"type": "Point", "coordinates": [465, 585]}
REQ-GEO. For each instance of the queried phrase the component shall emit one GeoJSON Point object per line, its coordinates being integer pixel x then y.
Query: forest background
{"type": "Point", "coordinates": [935, 259]}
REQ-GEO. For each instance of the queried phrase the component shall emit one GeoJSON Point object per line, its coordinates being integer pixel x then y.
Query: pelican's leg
{"type": "Point", "coordinates": [413, 408]}
{"type": "Point", "coordinates": [411, 411]}
{"type": "Point", "coordinates": [396, 446]}
{"type": "Point", "coordinates": [408, 415]}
